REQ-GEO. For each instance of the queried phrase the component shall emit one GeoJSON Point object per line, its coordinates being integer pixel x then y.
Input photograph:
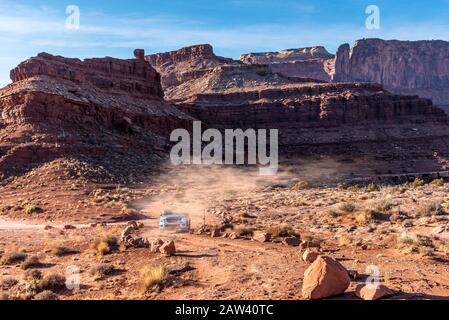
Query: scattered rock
{"type": "Point", "coordinates": [156, 245]}
{"type": "Point", "coordinates": [325, 278]}
{"type": "Point", "coordinates": [127, 232]}
{"type": "Point", "coordinates": [373, 291]}
{"type": "Point", "coordinates": [310, 255]}
{"type": "Point", "coordinates": [168, 248]}
{"type": "Point", "coordinates": [233, 236]}
{"type": "Point", "coordinates": [69, 227]}
{"type": "Point", "coordinates": [48, 227]}
{"type": "Point", "coordinates": [262, 237]}
{"type": "Point", "coordinates": [292, 241]}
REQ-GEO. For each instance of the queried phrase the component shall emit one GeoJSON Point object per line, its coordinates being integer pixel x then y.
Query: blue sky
{"type": "Point", "coordinates": [115, 28]}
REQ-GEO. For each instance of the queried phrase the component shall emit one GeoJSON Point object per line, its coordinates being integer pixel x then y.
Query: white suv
{"type": "Point", "coordinates": [172, 220]}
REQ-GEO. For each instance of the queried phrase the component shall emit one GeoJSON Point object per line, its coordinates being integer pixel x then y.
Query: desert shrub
{"type": "Point", "coordinates": [372, 187]}
{"type": "Point", "coordinates": [61, 251]}
{"type": "Point", "coordinates": [102, 270]}
{"type": "Point", "coordinates": [418, 182]}
{"type": "Point", "coordinates": [53, 282]}
{"type": "Point", "coordinates": [282, 230]}
{"type": "Point", "coordinates": [344, 241]}
{"type": "Point", "coordinates": [365, 216]}
{"type": "Point", "coordinates": [8, 283]}
{"type": "Point", "coordinates": [431, 208]}
{"type": "Point", "coordinates": [153, 276]}
{"type": "Point", "coordinates": [12, 258]}
{"type": "Point", "coordinates": [301, 185]}
{"type": "Point", "coordinates": [343, 186]}
{"type": "Point", "coordinates": [243, 231]}
{"type": "Point", "coordinates": [332, 213]}
{"type": "Point", "coordinates": [347, 207]}
{"type": "Point", "coordinates": [105, 245]}
{"type": "Point", "coordinates": [30, 209]}
{"type": "Point", "coordinates": [438, 182]}
{"type": "Point", "coordinates": [383, 204]}
{"type": "Point", "coordinates": [31, 262]}
{"type": "Point", "coordinates": [408, 242]}
{"type": "Point", "coordinates": [46, 296]}
{"type": "Point", "coordinates": [33, 275]}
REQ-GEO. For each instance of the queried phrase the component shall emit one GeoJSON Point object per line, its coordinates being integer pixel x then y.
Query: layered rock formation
{"type": "Point", "coordinates": [359, 122]}
{"type": "Point", "coordinates": [313, 63]}
{"type": "Point", "coordinates": [108, 112]}
{"type": "Point", "coordinates": [403, 67]}
{"type": "Point", "coordinates": [178, 67]}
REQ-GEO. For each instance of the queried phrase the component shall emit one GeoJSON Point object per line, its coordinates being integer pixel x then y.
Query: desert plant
{"type": "Point", "coordinates": [282, 230]}
{"type": "Point", "coordinates": [61, 251]}
{"type": "Point", "coordinates": [153, 276]}
{"type": "Point", "coordinates": [347, 207]}
{"type": "Point", "coordinates": [30, 209]}
{"type": "Point", "coordinates": [344, 241]}
{"type": "Point", "coordinates": [243, 231]}
{"type": "Point", "coordinates": [46, 296]}
{"type": "Point", "coordinates": [102, 270]}
{"type": "Point", "coordinates": [12, 258]}
{"type": "Point", "coordinates": [105, 245]}
{"type": "Point", "coordinates": [438, 182]}
{"type": "Point", "coordinates": [418, 182]}
{"type": "Point", "coordinates": [408, 242]}
{"type": "Point", "coordinates": [8, 283]}
{"type": "Point", "coordinates": [342, 186]}
{"type": "Point", "coordinates": [31, 262]}
{"type": "Point", "coordinates": [430, 208]}
{"type": "Point", "coordinates": [33, 275]}
{"type": "Point", "coordinates": [372, 187]}
{"type": "Point", "coordinates": [365, 216]}
{"type": "Point", "coordinates": [53, 282]}
{"type": "Point", "coordinates": [301, 185]}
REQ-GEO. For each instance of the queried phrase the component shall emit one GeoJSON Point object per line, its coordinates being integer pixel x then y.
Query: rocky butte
{"type": "Point", "coordinates": [402, 67]}
{"type": "Point", "coordinates": [104, 112]}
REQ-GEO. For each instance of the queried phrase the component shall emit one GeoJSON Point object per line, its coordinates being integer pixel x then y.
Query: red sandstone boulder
{"type": "Point", "coordinates": [373, 291]}
{"type": "Point", "coordinates": [325, 278]}
{"type": "Point", "coordinates": [168, 248]}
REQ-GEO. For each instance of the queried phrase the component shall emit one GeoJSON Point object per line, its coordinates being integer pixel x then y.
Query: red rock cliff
{"type": "Point", "coordinates": [403, 67]}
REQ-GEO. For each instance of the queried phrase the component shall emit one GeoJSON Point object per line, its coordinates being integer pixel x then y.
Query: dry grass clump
{"type": "Point", "coordinates": [383, 204]}
{"type": "Point", "coordinates": [105, 245]}
{"type": "Point", "coordinates": [347, 207]}
{"type": "Point", "coordinates": [61, 251]}
{"type": "Point", "coordinates": [372, 187]}
{"type": "Point", "coordinates": [31, 262]}
{"type": "Point", "coordinates": [53, 282]}
{"type": "Point", "coordinates": [301, 185]}
{"type": "Point", "coordinates": [418, 182]}
{"type": "Point", "coordinates": [13, 258]}
{"type": "Point", "coordinates": [365, 216]}
{"type": "Point", "coordinates": [46, 296]}
{"type": "Point", "coordinates": [102, 270]}
{"type": "Point", "coordinates": [153, 277]}
{"type": "Point", "coordinates": [33, 275]}
{"type": "Point", "coordinates": [438, 182]}
{"type": "Point", "coordinates": [243, 231]}
{"type": "Point", "coordinates": [408, 242]}
{"type": "Point", "coordinates": [282, 230]}
{"type": "Point", "coordinates": [430, 208]}
{"type": "Point", "coordinates": [30, 209]}
{"type": "Point", "coordinates": [8, 283]}
{"type": "Point", "coordinates": [342, 186]}
{"type": "Point", "coordinates": [344, 241]}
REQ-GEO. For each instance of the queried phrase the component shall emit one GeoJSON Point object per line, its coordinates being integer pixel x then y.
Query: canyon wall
{"type": "Point", "coordinates": [403, 67]}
